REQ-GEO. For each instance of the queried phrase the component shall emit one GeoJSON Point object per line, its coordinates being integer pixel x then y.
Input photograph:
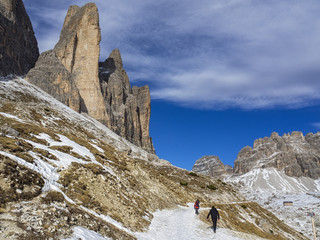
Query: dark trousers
{"type": "Point", "coordinates": [197, 211]}
{"type": "Point", "coordinates": [214, 224]}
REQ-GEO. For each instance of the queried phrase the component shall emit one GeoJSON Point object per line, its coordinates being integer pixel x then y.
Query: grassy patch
{"type": "Point", "coordinates": [45, 153]}
{"type": "Point", "coordinates": [22, 183]}
{"type": "Point", "coordinates": [183, 183]}
{"type": "Point", "coordinates": [212, 187]}
{"type": "Point", "coordinates": [193, 174]}
{"type": "Point", "coordinates": [65, 149]}
{"type": "Point", "coordinates": [95, 168]}
{"type": "Point", "coordinates": [53, 196]}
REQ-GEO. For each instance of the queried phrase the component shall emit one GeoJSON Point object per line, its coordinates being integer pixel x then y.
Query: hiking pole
{"type": "Point", "coordinates": [311, 214]}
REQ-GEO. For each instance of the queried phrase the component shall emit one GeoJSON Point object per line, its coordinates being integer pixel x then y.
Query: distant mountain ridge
{"type": "Point", "coordinates": [294, 154]}
{"type": "Point", "coordinates": [211, 166]}
{"type": "Point", "coordinates": [297, 155]}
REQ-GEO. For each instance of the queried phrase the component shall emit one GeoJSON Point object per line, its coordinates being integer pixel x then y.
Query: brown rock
{"type": "Point", "coordinates": [78, 49]}
{"type": "Point", "coordinates": [128, 108]}
{"type": "Point", "coordinates": [51, 76]}
{"type": "Point", "coordinates": [105, 94]}
{"type": "Point", "coordinates": [211, 166]}
{"type": "Point", "coordinates": [293, 153]}
{"type": "Point", "coordinates": [18, 45]}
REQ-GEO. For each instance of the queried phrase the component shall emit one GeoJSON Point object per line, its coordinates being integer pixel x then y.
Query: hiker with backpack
{"type": "Point", "coordinates": [214, 217]}
{"type": "Point", "coordinates": [197, 206]}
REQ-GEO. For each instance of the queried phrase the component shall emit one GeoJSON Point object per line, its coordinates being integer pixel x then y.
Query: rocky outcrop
{"type": "Point", "coordinates": [18, 45]}
{"type": "Point", "coordinates": [296, 154]}
{"type": "Point", "coordinates": [71, 73]}
{"type": "Point", "coordinates": [50, 75]}
{"type": "Point", "coordinates": [78, 50]}
{"type": "Point", "coordinates": [128, 108]}
{"type": "Point", "coordinates": [211, 166]}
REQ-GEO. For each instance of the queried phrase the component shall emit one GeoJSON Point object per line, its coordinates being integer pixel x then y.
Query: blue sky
{"type": "Point", "coordinates": [221, 72]}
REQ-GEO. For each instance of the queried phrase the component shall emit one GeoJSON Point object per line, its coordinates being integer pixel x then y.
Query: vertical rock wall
{"type": "Point", "coordinates": [71, 73]}
{"type": "Point", "coordinates": [78, 49]}
{"type": "Point", "coordinates": [128, 108]}
{"type": "Point", "coordinates": [18, 45]}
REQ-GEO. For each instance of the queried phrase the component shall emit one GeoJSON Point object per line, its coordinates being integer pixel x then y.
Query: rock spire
{"type": "Point", "coordinates": [71, 72]}
{"type": "Point", "coordinates": [78, 50]}
{"type": "Point", "coordinates": [128, 108]}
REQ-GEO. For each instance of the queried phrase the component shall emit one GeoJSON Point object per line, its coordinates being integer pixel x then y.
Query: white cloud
{"type": "Point", "coordinates": [221, 53]}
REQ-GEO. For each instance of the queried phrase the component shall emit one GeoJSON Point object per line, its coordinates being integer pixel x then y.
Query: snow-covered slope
{"type": "Point", "coordinates": [270, 188]}
{"type": "Point", "coordinates": [64, 175]}
{"type": "Point", "coordinates": [10, 88]}
{"type": "Point", "coordinates": [270, 179]}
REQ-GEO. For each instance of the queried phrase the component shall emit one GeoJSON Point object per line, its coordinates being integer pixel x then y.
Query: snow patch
{"type": "Point", "coordinates": [182, 223]}
{"type": "Point", "coordinates": [107, 219]}
{"type": "Point", "coordinates": [7, 115]}
{"type": "Point", "coordinates": [85, 234]}
{"type": "Point", "coordinates": [96, 147]}
{"type": "Point", "coordinates": [270, 179]}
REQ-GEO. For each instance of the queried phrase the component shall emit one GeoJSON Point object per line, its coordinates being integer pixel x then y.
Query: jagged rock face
{"type": "Point", "coordinates": [295, 154]}
{"type": "Point", "coordinates": [78, 49]}
{"type": "Point", "coordinates": [128, 108]}
{"type": "Point", "coordinates": [18, 45]}
{"type": "Point", "coordinates": [50, 75]}
{"type": "Point", "coordinates": [71, 74]}
{"type": "Point", "coordinates": [211, 166]}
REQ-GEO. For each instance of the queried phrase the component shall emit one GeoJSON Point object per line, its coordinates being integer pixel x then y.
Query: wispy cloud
{"type": "Point", "coordinates": [316, 125]}
{"type": "Point", "coordinates": [214, 54]}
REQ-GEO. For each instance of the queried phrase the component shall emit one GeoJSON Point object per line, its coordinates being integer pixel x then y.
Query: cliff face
{"type": "Point", "coordinates": [296, 154]}
{"type": "Point", "coordinates": [51, 76]}
{"type": "Point", "coordinates": [78, 49]}
{"type": "Point", "coordinates": [71, 74]}
{"type": "Point", "coordinates": [128, 108]}
{"type": "Point", "coordinates": [18, 45]}
{"type": "Point", "coordinates": [211, 166]}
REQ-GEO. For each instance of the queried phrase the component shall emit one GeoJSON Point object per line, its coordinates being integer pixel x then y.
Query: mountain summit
{"type": "Point", "coordinates": [296, 154]}
{"type": "Point", "coordinates": [71, 72]}
{"type": "Point", "coordinates": [211, 166]}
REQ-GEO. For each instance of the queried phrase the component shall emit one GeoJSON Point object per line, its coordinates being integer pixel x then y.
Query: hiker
{"type": "Point", "coordinates": [197, 206]}
{"type": "Point", "coordinates": [214, 217]}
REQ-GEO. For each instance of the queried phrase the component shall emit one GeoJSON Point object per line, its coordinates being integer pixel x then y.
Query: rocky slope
{"type": "Point", "coordinates": [270, 188]}
{"type": "Point", "coordinates": [277, 169]}
{"type": "Point", "coordinates": [18, 45]}
{"type": "Point", "coordinates": [71, 73]}
{"type": "Point", "coordinates": [294, 153]}
{"type": "Point", "coordinates": [211, 166]}
{"type": "Point", "coordinates": [60, 170]}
